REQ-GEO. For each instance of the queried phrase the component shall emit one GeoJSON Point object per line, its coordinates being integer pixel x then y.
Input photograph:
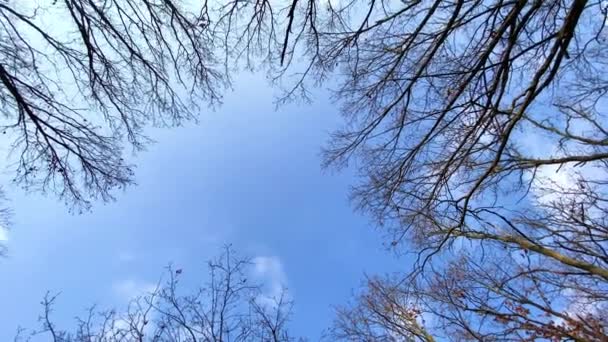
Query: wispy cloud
{"type": "Point", "coordinates": [130, 288]}
{"type": "Point", "coordinates": [554, 183]}
{"type": "Point", "coordinates": [3, 234]}
{"type": "Point", "coordinates": [269, 270]}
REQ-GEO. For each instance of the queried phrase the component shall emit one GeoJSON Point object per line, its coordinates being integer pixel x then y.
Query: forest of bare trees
{"type": "Point", "coordinates": [228, 307]}
{"type": "Point", "coordinates": [478, 128]}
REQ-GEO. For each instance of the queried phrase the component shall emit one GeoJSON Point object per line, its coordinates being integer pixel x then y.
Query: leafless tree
{"type": "Point", "coordinates": [380, 314]}
{"type": "Point", "coordinates": [78, 79]}
{"type": "Point", "coordinates": [227, 308]}
{"type": "Point", "coordinates": [478, 128]}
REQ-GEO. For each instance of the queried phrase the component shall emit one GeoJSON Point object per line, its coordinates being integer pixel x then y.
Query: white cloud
{"type": "Point", "coordinates": [555, 182]}
{"type": "Point", "coordinates": [129, 288]}
{"type": "Point", "coordinates": [269, 270]}
{"type": "Point", "coordinates": [578, 306]}
{"type": "Point", "coordinates": [551, 178]}
{"type": "Point", "coordinates": [562, 183]}
{"type": "Point", "coordinates": [3, 234]}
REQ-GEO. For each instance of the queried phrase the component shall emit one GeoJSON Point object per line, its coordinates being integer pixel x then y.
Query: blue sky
{"type": "Point", "coordinates": [247, 174]}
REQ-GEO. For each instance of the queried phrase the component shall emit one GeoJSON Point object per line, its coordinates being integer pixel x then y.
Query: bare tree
{"type": "Point", "coordinates": [73, 90]}
{"type": "Point", "coordinates": [478, 128]}
{"type": "Point", "coordinates": [380, 313]}
{"type": "Point", "coordinates": [227, 308]}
